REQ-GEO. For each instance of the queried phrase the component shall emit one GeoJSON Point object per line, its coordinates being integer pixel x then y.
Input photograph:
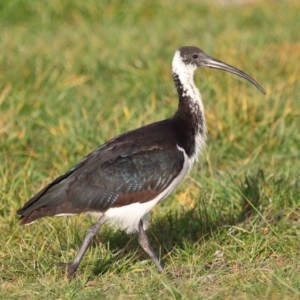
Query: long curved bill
{"type": "Point", "coordinates": [211, 62]}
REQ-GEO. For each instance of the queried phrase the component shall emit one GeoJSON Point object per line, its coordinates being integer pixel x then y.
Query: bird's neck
{"type": "Point", "coordinates": [190, 106]}
{"type": "Point", "coordinates": [190, 113]}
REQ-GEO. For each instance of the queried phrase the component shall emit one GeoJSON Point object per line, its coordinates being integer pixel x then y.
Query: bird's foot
{"type": "Point", "coordinates": [160, 266]}
{"type": "Point", "coordinates": [71, 269]}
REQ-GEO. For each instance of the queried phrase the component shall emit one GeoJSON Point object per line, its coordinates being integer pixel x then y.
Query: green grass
{"type": "Point", "coordinates": [77, 73]}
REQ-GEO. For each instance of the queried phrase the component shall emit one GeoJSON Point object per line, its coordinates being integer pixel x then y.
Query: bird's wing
{"type": "Point", "coordinates": [134, 167]}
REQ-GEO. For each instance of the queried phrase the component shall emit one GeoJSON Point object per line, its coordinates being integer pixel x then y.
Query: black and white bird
{"type": "Point", "coordinates": [122, 180]}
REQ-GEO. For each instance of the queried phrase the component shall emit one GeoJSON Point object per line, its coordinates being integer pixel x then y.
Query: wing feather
{"type": "Point", "coordinates": [134, 167]}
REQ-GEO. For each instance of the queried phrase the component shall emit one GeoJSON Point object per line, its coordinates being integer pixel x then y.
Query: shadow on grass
{"type": "Point", "coordinates": [175, 229]}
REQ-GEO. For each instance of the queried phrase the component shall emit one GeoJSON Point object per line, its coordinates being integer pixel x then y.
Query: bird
{"type": "Point", "coordinates": [122, 180]}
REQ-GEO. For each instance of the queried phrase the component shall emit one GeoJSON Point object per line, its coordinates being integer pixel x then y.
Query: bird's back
{"type": "Point", "coordinates": [135, 167]}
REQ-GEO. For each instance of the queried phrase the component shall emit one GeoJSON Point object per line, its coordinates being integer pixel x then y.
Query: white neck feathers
{"type": "Point", "coordinates": [185, 74]}
{"type": "Point", "coordinates": [191, 94]}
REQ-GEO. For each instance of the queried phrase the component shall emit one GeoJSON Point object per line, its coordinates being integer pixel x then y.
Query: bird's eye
{"type": "Point", "coordinates": [195, 55]}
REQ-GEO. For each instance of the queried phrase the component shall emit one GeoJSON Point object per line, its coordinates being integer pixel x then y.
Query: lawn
{"type": "Point", "coordinates": [74, 74]}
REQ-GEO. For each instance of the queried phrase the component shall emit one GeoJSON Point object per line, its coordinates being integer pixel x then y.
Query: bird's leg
{"type": "Point", "coordinates": [72, 267]}
{"type": "Point", "coordinates": [144, 242]}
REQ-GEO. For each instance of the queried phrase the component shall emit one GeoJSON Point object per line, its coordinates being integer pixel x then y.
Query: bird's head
{"type": "Point", "coordinates": [187, 59]}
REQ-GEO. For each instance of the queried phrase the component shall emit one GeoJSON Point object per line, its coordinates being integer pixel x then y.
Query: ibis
{"type": "Point", "coordinates": [122, 180]}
